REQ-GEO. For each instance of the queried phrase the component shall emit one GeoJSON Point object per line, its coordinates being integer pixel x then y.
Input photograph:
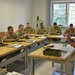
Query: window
{"type": "Point", "coordinates": [59, 13]}
{"type": "Point", "coordinates": [63, 13]}
{"type": "Point", "coordinates": [71, 17]}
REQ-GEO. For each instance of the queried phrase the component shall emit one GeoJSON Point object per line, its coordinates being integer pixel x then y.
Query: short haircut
{"type": "Point", "coordinates": [54, 23]}
{"type": "Point", "coordinates": [28, 23]}
{"type": "Point", "coordinates": [9, 27]}
{"type": "Point", "coordinates": [20, 25]}
{"type": "Point", "coordinates": [41, 23]}
{"type": "Point", "coordinates": [71, 24]}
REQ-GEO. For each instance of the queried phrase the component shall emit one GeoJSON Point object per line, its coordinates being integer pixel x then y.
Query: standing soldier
{"type": "Point", "coordinates": [70, 31]}
{"type": "Point", "coordinates": [10, 36]}
{"type": "Point", "coordinates": [20, 32]}
{"type": "Point", "coordinates": [42, 29]}
{"type": "Point", "coordinates": [29, 29]}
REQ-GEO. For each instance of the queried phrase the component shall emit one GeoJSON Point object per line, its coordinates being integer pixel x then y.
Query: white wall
{"type": "Point", "coordinates": [41, 9]}
{"type": "Point", "coordinates": [14, 12]}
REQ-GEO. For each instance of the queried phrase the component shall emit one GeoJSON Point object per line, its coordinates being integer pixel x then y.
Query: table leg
{"type": "Point", "coordinates": [26, 57]}
{"type": "Point", "coordinates": [32, 66]}
{"type": "Point", "coordinates": [25, 60]}
{"type": "Point", "coordinates": [61, 70]}
{"type": "Point", "coordinates": [52, 64]}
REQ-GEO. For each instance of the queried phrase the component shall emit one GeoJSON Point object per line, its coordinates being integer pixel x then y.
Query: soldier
{"type": "Point", "coordinates": [20, 32]}
{"type": "Point", "coordinates": [55, 30]}
{"type": "Point", "coordinates": [10, 36]}
{"type": "Point", "coordinates": [29, 29]}
{"type": "Point", "coordinates": [70, 31]}
{"type": "Point", "coordinates": [69, 65]}
{"type": "Point", "coordinates": [42, 29]}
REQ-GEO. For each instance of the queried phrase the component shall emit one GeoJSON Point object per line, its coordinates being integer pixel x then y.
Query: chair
{"type": "Point", "coordinates": [1, 36]}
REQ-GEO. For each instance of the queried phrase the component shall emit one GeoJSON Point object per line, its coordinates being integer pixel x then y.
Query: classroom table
{"type": "Point", "coordinates": [9, 55]}
{"type": "Point", "coordinates": [34, 45]}
{"type": "Point", "coordinates": [59, 36]}
{"type": "Point", "coordinates": [38, 54]}
{"type": "Point", "coordinates": [17, 53]}
{"type": "Point", "coordinates": [51, 36]}
{"type": "Point", "coordinates": [37, 35]}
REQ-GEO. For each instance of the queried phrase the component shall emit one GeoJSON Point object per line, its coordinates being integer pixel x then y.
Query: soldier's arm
{"type": "Point", "coordinates": [71, 42]}
{"type": "Point", "coordinates": [20, 36]}
{"type": "Point", "coordinates": [32, 31]}
{"type": "Point", "coordinates": [37, 31]}
{"type": "Point", "coordinates": [25, 30]}
{"type": "Point", "coordinates": [73, 33]}
{"type": "Point", "coordinates": [16, 34]}
{"type": "Point", "coordinates": [45, 31]}
{"type": "Point", "coordinates": [59, 32]}
{"type": "Point", "coordinates": [51, 31]}
{"type": "Point", "coordinates": [65, 32]}
{"type": "Point", "coordinates": [5, 39]}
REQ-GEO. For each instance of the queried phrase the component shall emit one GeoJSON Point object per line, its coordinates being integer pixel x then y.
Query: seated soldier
{"type": "Point", "coordinates": [20, 32]}
{"type": "Point", "coordinates": [42, 29]}
{"type": "Point", "coordinates": [10, 36]}
{"type": "Point", "coordinates": [70, 31]}
{"type": "Point", "coordinates": [55, 30]}
{"type": "Point", "coordinates": [29, 29]}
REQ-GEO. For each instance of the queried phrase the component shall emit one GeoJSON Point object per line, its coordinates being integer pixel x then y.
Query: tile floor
{"type": "Point", "coordinates": [43, 68]}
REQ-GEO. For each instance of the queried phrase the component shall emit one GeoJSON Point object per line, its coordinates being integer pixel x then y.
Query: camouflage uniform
{"type": "Point", "coordinates": [55, 31]}
{"type": "Point", "coordinates": [42, 31]}
{"type": "Point", "coordinates": [8, 37]}
{"type": "Point", "coordinates": [68, 31]}
{"type": "Point", "coordinates": [20, 34]}
{"type": "Point", "coordinates": [29, 30]}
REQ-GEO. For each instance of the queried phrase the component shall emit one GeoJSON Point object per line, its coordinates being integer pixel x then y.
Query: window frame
{"type": "Point", "coordinates": [67, 9]}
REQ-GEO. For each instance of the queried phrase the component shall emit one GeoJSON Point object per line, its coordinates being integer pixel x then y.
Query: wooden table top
{"type": "Point", "coordinates": [50, 36]}
{"type": "Point", "coordinates": [4, 50]}
{"type": "Point", "coordinates": [33, 35]}
{"type": "Point", "coordinates": [37, 35]}
{"type": "Point", "coordinates": [59, 36]}
{"type": "Point", "coordinates": [39, 53]}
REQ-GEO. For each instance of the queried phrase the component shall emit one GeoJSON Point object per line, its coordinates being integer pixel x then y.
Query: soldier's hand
{"type": "Point", "coordinates": [41, 33]}
{"type": "Point", "coordinates": [25, 35]}
{"type": "Point", "coordinates": [68, 38]}
{"type": "Point", "coordinates": [52, 33]}
{"type": "Point", "coordinates": [28, 32]}
{"type": "Point", "coordinates": [15, 39]}
{"type": "Point", "coordinates": [58, 33]}
{"type": "Point", "coordinates": [71, 34]}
